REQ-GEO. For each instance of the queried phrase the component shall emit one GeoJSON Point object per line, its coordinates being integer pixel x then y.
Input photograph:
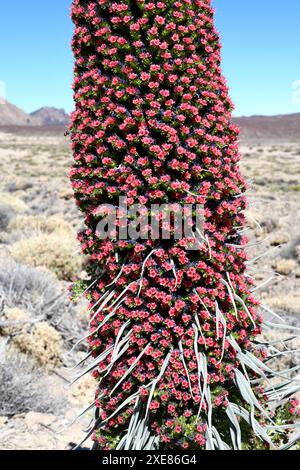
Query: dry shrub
{"type": "Point", "coordinates": [40, 341]}
{"type": "Point", "coordinates": [39, 224]}
{"type": "Point", "coordinates": [13, 202]}
{"type": "Point", "coordinates": [43, 343]}
{"type": "Point", "coordinates": [16, 317]}
{"type": "Point", "coordinates": [36, 291]}
{"type": "Point", "coordinates": [40, 295]}
{"type": "Point", "coordinates": [55, 251]}
{"type": "Point", "coordinates": [24, 388]}
{"type": "Point", "coordinates": [279, 238]}
{"type": "Point", "coordinates": [289, 303]}
{"type": "Point", "coordinates": [284, 266]}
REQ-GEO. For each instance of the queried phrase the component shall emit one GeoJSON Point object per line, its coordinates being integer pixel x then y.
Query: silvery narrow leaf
{"type": "Point", "coordinates": [130, 369]}
{"type": "Point", "coordinates": [235, 430]}
{"type": "Point", "coordinates": [257, 428]}
{"type": "Point", "coordinates": [209, 439]}
{"type": "Point", "coordinates": [247, 392]}
{"type": "Point", "coordinates": [284, 327]}
{"type": "Point", "coordinates": [218, 441]}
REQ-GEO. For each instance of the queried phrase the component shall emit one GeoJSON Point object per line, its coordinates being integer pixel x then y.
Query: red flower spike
{"type": "Point", "coordinates": [172, 328]}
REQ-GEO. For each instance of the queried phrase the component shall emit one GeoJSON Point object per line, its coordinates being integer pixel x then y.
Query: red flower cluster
{"type": "Point", "coordinates": [153, 122]}
{"type": "Point", "coordinates": [295, 407]}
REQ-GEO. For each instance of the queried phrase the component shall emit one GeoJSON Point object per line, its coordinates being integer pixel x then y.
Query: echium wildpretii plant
{"type": "Point", "coordinates": [174, 329]}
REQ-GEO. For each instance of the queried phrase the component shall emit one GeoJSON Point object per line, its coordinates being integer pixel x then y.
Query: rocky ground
{"type": "Point", "coordinates": [39, 256]}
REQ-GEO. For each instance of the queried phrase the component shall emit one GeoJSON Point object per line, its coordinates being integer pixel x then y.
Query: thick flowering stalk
{"type": "Point", "coordinates": [173, 329]}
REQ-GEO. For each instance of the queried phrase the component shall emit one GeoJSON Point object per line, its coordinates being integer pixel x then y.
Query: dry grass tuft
{"type": "Point", "coordinates": [289, 303]}
{"type": "Point", "coordinates": [43, 343]}
{"type": "Point", "coordinates": [284, 266]}
{"type": "Point", "coordinates": [14, 202]}
{"type": "Point", "coordinates": [55, 251]}
{"type": "Point", "coordinates": [13, 316]}
{"type": "Point", "coordinates": [279, 238]}
{"type": "Point", "coordinates": [40, 224]}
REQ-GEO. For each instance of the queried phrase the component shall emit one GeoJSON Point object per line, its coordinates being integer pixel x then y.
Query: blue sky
{"type": "Point", "coordinates": [261, 53]}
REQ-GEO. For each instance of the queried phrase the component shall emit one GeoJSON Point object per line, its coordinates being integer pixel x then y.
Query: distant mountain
{"type": "Point", "coordinates": [10, 115]}
{"type": "Point", "coordinates": [48, 116]}
{"type": "Point", "coordinates": [281, 127]}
